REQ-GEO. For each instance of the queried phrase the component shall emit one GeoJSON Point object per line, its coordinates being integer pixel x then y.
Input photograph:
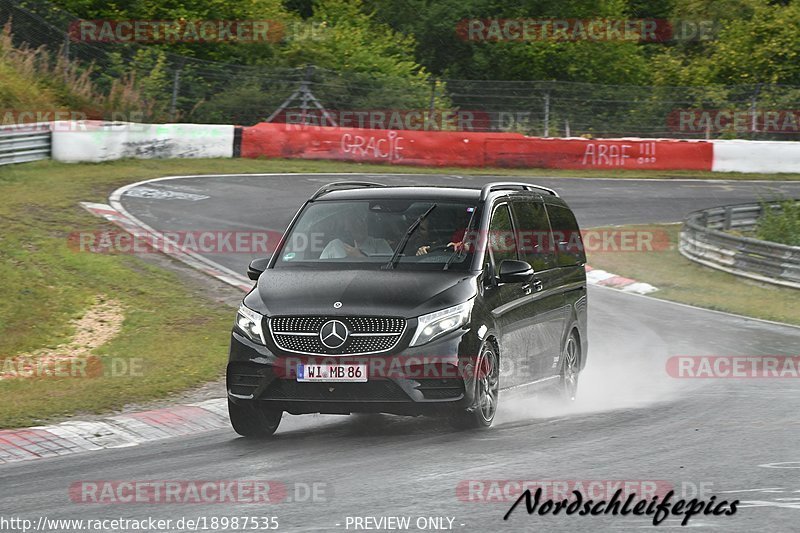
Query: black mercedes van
{"type": "Point", "coordinates": [411, 300]}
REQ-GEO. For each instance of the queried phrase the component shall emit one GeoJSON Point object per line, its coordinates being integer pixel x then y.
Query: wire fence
{"type": "Point", "coordinates": [175, 87]}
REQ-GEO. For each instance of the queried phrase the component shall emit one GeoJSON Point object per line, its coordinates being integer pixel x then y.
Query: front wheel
{"type": "Point", "coordinates": [250, 420]}
{"type": "Point", "coordinates": [570, 367]}
{"type": "Point", "coordinates": [487, 390]}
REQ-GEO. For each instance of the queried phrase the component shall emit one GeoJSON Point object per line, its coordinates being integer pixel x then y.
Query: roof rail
{"type": "Point", "coordinates": [500, 185]}
{"type": "Point", "coordinates": [344, 185]}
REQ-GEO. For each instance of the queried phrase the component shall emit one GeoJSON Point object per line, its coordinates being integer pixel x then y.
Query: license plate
{"type": "Point", "coordinates": [327, 372]}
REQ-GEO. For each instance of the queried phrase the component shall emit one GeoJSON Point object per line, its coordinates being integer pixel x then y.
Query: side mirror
{"type": "Point", "coordinates": [513, 271]}
{"type": "Point", "coordinates": [257, 267]}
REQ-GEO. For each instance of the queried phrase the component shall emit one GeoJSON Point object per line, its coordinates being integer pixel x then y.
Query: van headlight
{"type": "Point", "coordinates": [250, 323]}
{"type": "Point", "coordinates": [438, 323]}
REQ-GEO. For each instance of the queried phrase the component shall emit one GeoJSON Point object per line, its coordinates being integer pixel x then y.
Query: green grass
{"type": "Point", "coordinates": [180, 335]}
{"type": "Point", "coordinates": [143, 169]}
{"type": "Point", "coordinates": [681, 280]}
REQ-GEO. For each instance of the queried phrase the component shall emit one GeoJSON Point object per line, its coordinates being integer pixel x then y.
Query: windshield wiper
{"type": "Point", "coordinates": [457, 253]}
{"type": "Point", "coordinates": [404, 241]}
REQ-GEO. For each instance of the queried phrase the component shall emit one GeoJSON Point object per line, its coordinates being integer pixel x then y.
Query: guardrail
{"type": "Point", "coordinates": [25, 142]}
{"type": "Point", "coordinates": [704, 239]}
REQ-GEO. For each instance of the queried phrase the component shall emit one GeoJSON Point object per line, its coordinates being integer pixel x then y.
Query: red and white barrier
{"type": "Point", "coordinates": [469, 149]}
{"type": "Point", "coordinates": [768, 157]}
{"type": "Point", "coordinates": [92, 141]}
{"type": "Point", "coordinates": [645, 154]}
{"type": "Point", "coordinates": [406, 147]}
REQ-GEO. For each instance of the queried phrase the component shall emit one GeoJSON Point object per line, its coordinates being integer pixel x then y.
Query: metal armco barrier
{"type": "Point", "coordinates": [705, 240]}
{"type": "Point", "coordinates": [23, 143]}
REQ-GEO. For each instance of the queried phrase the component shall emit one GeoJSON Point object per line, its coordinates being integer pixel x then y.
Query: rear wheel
{"type": "Point", "coordinates": [570, 367]}
{"type": "Point", "coordinates": [251, 420]}
{"type": "Point", "coordinates": [487, 390]}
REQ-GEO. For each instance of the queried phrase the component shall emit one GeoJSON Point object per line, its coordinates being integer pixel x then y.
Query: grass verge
{"type": "Point", "coordinates": [172, 337]}
{"type": "Point", "coordinates": [143, 169]}
{"type": "Point", "coordinates": [681, 280]}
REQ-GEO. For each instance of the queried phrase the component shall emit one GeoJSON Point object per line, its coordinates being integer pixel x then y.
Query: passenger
{"type": "Point", "coordinates": [355, 241]}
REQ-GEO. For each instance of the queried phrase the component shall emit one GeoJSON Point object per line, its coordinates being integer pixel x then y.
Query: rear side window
{"type": "Point", "coordinates": [535, 239]}
{"type": "Point", "coordinates": [569, 244]}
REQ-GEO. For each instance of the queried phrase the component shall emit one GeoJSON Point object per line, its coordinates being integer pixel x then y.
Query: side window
{"type": "Point", "coordinates": [569, 243]}
{"type": "Point", "coordinates": [533, 234]}
{"type": "Point", "coordinates": [501, 242]}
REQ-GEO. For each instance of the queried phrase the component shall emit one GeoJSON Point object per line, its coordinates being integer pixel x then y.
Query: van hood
{"type": "Point", "coordinates": [399, 293]}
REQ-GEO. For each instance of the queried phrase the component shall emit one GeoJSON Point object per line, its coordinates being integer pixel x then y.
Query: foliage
{"type": "Point", "coordinates": [781, 225]}
{"type": "Point", "coordinates": [384, 54]}
{"type": "Point", "coordinates": [753, 41]}
{"type": "Point", "coordinates": [35, 79]}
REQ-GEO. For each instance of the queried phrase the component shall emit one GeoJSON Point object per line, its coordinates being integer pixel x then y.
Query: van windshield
{"type": "Point", "coordinates": [367, 233]}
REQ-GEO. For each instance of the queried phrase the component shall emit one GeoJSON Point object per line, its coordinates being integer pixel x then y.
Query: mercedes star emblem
{"type": "Point", "coordinates": [333, 334]}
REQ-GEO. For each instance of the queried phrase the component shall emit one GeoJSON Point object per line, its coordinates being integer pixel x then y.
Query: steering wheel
{"type": "Point", "coordinates": [435, 254]}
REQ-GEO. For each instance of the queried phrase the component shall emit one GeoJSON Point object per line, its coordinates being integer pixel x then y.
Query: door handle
{"type": "Point", "coordinates": [535, 285]}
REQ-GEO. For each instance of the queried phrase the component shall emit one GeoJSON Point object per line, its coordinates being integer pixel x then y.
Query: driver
{"type": "Point", "coordinates": [424, 241]}
{"type": "Point", "coordinates": [354, 241]}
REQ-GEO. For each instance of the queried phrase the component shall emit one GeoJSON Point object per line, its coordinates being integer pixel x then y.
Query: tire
{"type": "Point", "coordinates": [254, 421]}
{"type": "Point", "coordinates": [487, 387]}
{"type": "Point", "coordinates": [570, 368]}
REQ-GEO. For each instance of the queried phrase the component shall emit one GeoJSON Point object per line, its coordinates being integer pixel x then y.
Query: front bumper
{"type": "Point", "coordinates": [436, 378]}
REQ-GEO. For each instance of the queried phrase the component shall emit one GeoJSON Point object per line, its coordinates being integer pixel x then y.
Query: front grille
{"type": "Point", "coordinates": [373, 343]}
{"type": "Point", "coordinates": [377, 391]}
{"type": "Point", "coordinates": [366, 335]}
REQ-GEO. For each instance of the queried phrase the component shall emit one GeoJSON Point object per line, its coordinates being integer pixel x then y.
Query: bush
{"type": "Point", "coordinates": [36, 79]}
{"type": "Point", "coordinates": [781, 225]}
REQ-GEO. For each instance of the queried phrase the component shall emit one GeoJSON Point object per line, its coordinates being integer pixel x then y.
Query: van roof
{"type": "Point", "coordinates": [405, 192]}
{"type": "Point", "coordinates": [411, 192]}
